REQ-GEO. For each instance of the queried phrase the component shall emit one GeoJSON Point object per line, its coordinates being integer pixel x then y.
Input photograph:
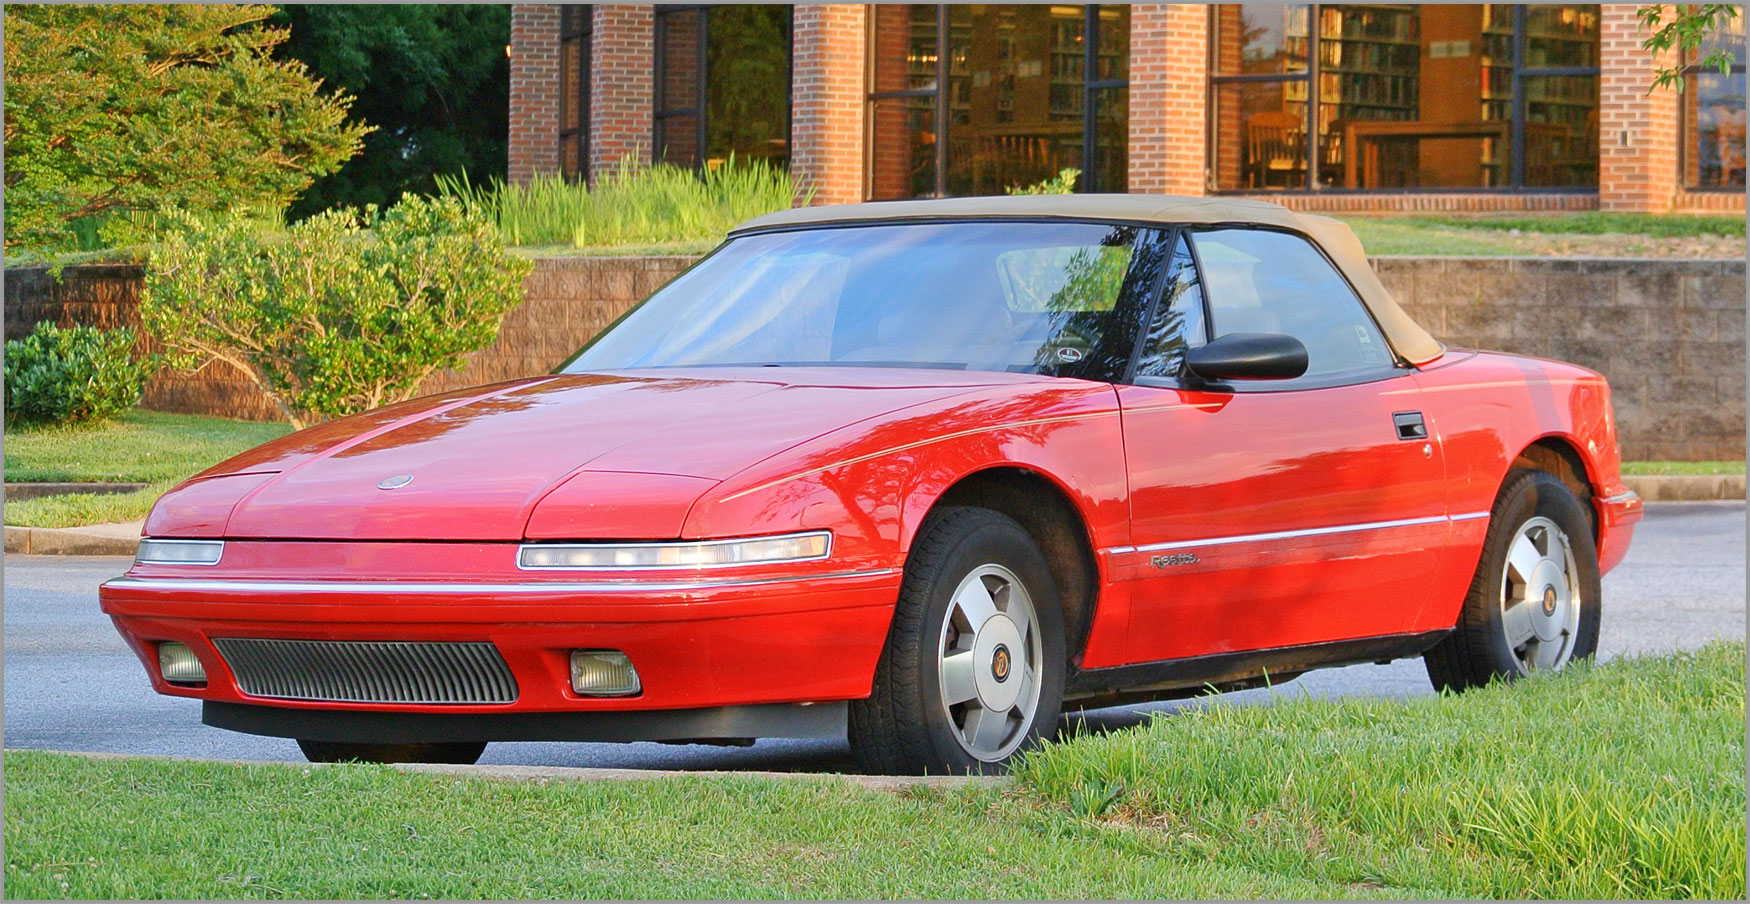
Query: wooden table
{"type": "Point", "coordinates": [1366, 131]}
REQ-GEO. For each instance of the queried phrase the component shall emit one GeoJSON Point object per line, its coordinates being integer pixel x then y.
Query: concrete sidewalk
{"type": "Point", "coordinates": [96, 540]}
{"type": "Point", "coordinates": [1687, 487]}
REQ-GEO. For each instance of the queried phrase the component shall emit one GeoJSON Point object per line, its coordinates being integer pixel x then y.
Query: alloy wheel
{"type": "Point", "coordinates": [988, 661]}
{"type": "Point", "coordinates": [1540, 597]}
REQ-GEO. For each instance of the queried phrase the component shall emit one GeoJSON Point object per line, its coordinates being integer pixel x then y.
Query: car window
{"type": "Point", "coordinates": [1075, 278]}
{"type": "Point", "coordinates": [1177, 326]}
{"type": "Point", "coordinates": [1260, 281]}
{"type": "Point", "coordinates": [1023, 297]}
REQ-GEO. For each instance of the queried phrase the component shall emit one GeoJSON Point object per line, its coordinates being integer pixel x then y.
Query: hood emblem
{"type": "Point", "coordinates": [395, 483]}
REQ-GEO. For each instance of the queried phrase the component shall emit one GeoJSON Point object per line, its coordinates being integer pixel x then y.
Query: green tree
{"type": "Point", "coordinates": [434, 81]}
{"type": "Point", "coordinates": [117, 109]}
{"type": "Point", "coordinates": [342, 312]}
{"type": "Point", "coordinates": [1686, 30]}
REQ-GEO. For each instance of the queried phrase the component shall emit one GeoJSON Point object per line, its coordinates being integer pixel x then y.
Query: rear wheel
{"type": "Point", "coordinates": [972, 673]}
{"type": "Point", "coordinates": [460, 752]}
{"type": "Point", "coordinates": [1533, 604]}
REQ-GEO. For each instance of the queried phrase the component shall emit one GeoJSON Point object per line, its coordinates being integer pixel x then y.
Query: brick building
{"type": "Point", "coordinates": [1318, 106]}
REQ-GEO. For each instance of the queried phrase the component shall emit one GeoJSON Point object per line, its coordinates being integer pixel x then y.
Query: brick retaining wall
{"type": "Point", "coordinates": [1668, 333]}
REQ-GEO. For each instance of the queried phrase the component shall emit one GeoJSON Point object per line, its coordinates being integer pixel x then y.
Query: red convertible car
{"type": "Point", "coordinates": [922, 474]}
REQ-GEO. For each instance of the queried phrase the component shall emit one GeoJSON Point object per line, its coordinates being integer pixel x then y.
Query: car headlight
{"type": "Point", "coordinates": [179, 552]}
{"type": "Point", "coordinates": [682, 554]}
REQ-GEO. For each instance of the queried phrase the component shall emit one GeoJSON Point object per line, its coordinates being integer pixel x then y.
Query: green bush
{"type": "Point", "coordinates": [1064, 183]}
{"type": "Point", "coordinates": [633, 205]}
{"type": "Point", "coordinates": [340, 313]}
{"type": "Point", "coordinates": [72, 374]}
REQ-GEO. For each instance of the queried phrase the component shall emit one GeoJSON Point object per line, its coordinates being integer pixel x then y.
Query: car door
{"type": "Point", "coordinates": [1273, 513]}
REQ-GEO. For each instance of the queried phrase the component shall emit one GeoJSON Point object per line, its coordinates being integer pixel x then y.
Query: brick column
{"type": "Point", "coordinates": [534, 91]}
{"type": "Point", "coordinates": [826, 115]}
{"type": "Point", "coordinates": [622, 80]}
{"type": "Point", "coordinates": [1169, 51]}
{"type": "Point", "coordinates": [1637, 133]}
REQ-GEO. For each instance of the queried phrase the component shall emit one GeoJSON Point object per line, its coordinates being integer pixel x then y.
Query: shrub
{"type": "Point", "coordinates": [340, 313]}
{"type": "Point", "coordinates": [634, 204]}
{"type": "Point", "coordinates": [1064, 183]}
{"type": "Point", "coordinates": [72, 374]}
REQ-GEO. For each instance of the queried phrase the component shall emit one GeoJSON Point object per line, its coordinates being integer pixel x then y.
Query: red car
{"type": "Point", "coordinates": [922, 473]}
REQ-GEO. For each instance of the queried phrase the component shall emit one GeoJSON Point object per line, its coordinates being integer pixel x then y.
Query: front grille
{"type": "Point", "coordinates": [369, 671]}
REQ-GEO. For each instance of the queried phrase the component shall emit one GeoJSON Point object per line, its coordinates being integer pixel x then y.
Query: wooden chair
{"type": "Point", "coordinates": [1273, 145]}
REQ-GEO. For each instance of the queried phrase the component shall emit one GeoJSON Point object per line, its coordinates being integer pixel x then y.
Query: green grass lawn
{"type": "Point", "coordinates": [139, 447]}
{"type": "Point", "coordinates": [1682, 467]}
{"type": "Point", "coordinates": [1616, 781]}
{"type": "Point", "coordinates": [1584, 234]}
{"type": "Point", "coordinates": [1587, 223]}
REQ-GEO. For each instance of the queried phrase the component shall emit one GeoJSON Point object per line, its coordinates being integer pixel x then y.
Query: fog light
{"type": "Point", "coordinates": [603, 673]}
{"type": "Point", "coordinates": [177, 664]}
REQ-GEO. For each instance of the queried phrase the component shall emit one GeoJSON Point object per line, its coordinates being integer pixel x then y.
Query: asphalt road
{"type": "Point", "coordinates": [71, 684]}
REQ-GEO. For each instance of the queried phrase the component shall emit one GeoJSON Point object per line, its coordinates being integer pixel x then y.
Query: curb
{"type": "Point", "coordinates": [1686, 487]}
{"type": "Point", "coordinates": [19, 491]}
{"type": "Point", "coordinates": [590, 773]}
{"type": "Point", "coordinates": [96, 540]}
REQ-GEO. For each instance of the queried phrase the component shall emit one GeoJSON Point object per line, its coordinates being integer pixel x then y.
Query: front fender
{"type": "Point", "coordinates": [873, 484]}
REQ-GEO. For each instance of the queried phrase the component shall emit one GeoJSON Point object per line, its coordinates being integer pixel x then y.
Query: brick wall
{"type": "Point", "coordinates": [108, 296]}
{"type": "Point", "coordinates": [1637, 159]}
{"type": "Point", "coordinates": [534, 91]}
{"type": "Point", "coordinates": [567, 301]}
{"type": "Point", "coordinates": [1668, 333]}
{"type": "Point", "coordinates": [892, 143]}
{"type": "Point", "coordinates": [1169, 59]}
{"type": "Point", "coordinates": [622, 79]}
{"type": "Point", "coordinates": [826, 125]}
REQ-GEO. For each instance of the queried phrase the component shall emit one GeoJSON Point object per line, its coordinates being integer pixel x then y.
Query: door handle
{"type": "Point", "coordinates": [1409, 425]}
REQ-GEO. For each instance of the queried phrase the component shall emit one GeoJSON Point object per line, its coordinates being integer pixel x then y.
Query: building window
{"type": "Point", "coordinates": [1512, 99]}
{"type": "Point", "coordinates": [722, 84]}
{"type": "Point", "coordinates": [1713, 116]}
{"type": "Point", "coordinates": [574, 46]}
{"type": "Point", "coordinates": [976, 99]}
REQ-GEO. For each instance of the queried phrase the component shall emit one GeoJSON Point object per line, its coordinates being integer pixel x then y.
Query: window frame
{"type": "Point", "coordinates": [1310, 75]}
{"type": "Point", "coordinates": [1185, 382]}
{"type": "Point", "coordinates": [1684, 151]}
{"type": "Point", "coordinates": [580, 17]}
{"type": "Point", "coordinates": [701, 102]}
{"type": "Point", "coordinates": [939, 101]}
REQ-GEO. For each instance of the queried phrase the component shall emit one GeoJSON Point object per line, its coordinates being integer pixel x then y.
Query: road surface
{"type": "Point", "coordinates": [71, 684]}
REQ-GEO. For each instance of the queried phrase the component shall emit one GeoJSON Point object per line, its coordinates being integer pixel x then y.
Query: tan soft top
{"type": "Point", "coordinates": [1406, 337]}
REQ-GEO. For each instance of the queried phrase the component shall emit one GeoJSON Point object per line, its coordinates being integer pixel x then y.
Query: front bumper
{"type": "Point", "coordinates": [700, 643]}
{"type": "Point", "coordinates": [1617, 516]}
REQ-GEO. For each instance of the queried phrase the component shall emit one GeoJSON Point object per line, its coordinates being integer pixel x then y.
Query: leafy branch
{"type": "Point", "coordinates": [1688, 28]}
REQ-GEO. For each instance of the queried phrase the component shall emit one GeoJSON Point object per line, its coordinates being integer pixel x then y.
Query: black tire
{"type": "Point", "coordinates": [904, 728]}
{"type": "Point", "coordinates": [1478, 650]}
{"type": "Point", "coordinates": [464, 753]}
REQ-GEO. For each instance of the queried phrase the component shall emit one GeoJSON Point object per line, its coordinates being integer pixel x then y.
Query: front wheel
{"type": "Point", "coordinates": [463, 753]}
{"type": "Point", "coordinates": [973, 669]}
{"type": "Point", "coordinates": [1533, 604]}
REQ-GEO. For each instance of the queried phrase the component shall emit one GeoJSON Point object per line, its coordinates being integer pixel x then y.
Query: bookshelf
{"type": "Point", "coordinates": [1369, 68]}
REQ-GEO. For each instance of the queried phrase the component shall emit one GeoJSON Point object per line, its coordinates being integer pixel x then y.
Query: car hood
{"type": "Point", "coordinates": [639, 447]}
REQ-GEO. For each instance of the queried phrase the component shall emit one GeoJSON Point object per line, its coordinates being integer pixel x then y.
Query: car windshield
{"type": "Point", "coordinates": [1022, 297]}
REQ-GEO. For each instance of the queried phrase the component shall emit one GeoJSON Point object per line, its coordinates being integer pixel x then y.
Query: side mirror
{"type": "Point", "coordinates": [1249, 356]}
